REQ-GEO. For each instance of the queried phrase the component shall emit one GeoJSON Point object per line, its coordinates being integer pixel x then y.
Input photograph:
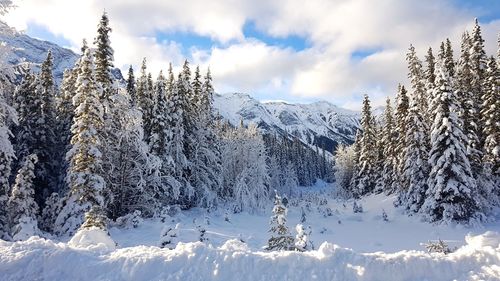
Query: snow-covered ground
{"type": "Point", "coordinates": [349, 246]}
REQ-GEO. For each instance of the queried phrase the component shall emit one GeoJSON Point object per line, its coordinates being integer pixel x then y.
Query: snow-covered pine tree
{"type": "Point", "coordinates": [103, 59]}
{"type": "Point", "coordinates": [281, 239]}
{"type": "Point", "coordinates": [145, 100]}
{"type": "Point", "coordinates": [430, 79]}
{"type": "Point", "coordinates": [470, 103]}
{"type": "Point", "coordinates": [301, 239]}
{"type": "Point", "coordinates": [416, 168]}
{"type": "Point", "coordinates": [27, 105]}
{"type": "Point", "coordinates": [22, 206]}
{"type": "Point", "coordinates": [46, 170]}
{"type": "Point", "coordinates": [53, 206]}
{"type": "Point", "coordinates": [388, 139]}
{"type": "Point", "coordinates": [452, 192]}
{"type": "Point", "coordinates": [176, 149]}
{"type": "Point", "coordinates": [7, 155]}
{"type": "Point", "coordinates": [159, 121]}
{"type": "Point", "coordinates": [449, 62]}
{"type": "Point", "coordinates": [169, 236]}
{"type": "Point", "coordinates": [366, 176]}
{"type": "Point", "coordinates": [65, 110]}
{"type": "Point", "coordinates": [84, 173]}
{"type": "Point", "coordinates": [490, 114]}
{"type": "Point", "coordinates": [478, 61]}
{"type": "Point", "coordinates": [131, 90]}
{"type": "Point", "coordinates": [206, 162]}
{"type": "Point", "coordinates": [402, 108]}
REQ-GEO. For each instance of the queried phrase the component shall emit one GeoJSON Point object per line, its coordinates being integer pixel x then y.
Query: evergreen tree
{"type": "Point", "coordinates": [206, 162]}
{"type": "Point", "coordinates": [386, 181]}
{"type": "Point", "coordinates": [491, 119]}
{"type": "Point", "coordinates": [131, 90]}
{"type": "Point", "coordinates": [145, 101]}
{"type": "Point", "coordinates": [402, 109]}
{"type": "Point", "coordinates": [280, 235]}
{"type": "Point", "coordinates": [430, 70]}
{"type": "Point", "coordinates": [45, 149]}
{"type": "Point", "coordinates": [449, 62]}
{"type": "Point", "coordinates": [452, 191]}
{"type": "Point", "coordinates": [470, 103]}
{"type": "Point", "coordinates": [366, 176]}
{"type": "Point", "coordinates": [478, 61]}
{"type": "Point", "coordinates": [169, 237]}
{"type": "Point", "coordinates": [84, 173]}
{"type": "Point", "coordinates": [416, 169]}
{"type": "Point", "coordinates": [103, 59]}
{"type": "Point", "coordinates": [7, 155]}
{"type": "Point", "coordinates": [22, 206]}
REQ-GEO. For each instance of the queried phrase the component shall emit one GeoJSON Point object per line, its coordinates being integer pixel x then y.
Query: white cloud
{"type": "Point", "coordinates": [334, 29]}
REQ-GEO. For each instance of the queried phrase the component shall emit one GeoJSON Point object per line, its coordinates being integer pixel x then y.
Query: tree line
{"type": "Point", "coordinates": [96, 149]}
{"type": "Point", "coordinates": [438, 150]}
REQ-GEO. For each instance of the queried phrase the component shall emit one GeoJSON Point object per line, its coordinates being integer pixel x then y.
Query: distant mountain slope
{"type": "Point", "coordinates": [21, 49]}
{"type": "Point", "coordinates": [319, 123]}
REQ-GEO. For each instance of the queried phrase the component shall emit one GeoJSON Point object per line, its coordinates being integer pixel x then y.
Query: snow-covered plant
{"type": "Point", "coordinates": [357, 208]}
{"type": "Point", "coordinates": [301, 239]}
{"type": "Point", "coordinates": [169, 236]}
{"type": "Point", "coordinates": [227, 218]}
{"type": "Point", "coordinates": [280, 236]}
{"type": "Point", "coordinates": [384, 215]}
{"type": "Point", "coordinates": [53, 205]}
{"type": "Point", "coordinates": [132, 220]}
{"type": "Point", "coordinates": [438, 247]}
{"type": "Point", "coordinates": [201, 232]}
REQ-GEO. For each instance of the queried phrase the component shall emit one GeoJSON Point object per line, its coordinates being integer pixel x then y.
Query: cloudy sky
{"type": "Point", "coordinates": [293, 50]}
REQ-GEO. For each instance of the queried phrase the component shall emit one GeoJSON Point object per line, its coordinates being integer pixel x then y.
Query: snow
{"type": "Point", "coordinates": [349, 246]}
{"type": "Point", "coordinates": [93, 239]}
{"type": "Point", "coordinates": [42, 259]}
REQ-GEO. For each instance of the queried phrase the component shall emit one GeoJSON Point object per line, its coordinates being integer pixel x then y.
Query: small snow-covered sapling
{"type": "Point", "coordinates": [169, 236]}
{"type": "Point", "coordinates": [384, 215]}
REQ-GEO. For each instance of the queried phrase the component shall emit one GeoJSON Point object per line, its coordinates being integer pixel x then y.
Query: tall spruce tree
{"type": "Point", "coordinates": [103, 59]}
{"type": "Point", "coordinates": [22, 206]}
{"type": "Point", "coordinates": [366, 176]}
{"type": "Point", "coordinates": [7, 155]}
{"type": "Point", "coordinates": [206, 161]}
{"type": "Point", "coordinates": [452, 192]}
{"type": "Point", "coordinates": [388, 140]}
{"type": "Point", "coordinates": [131, 90]}
{"type": "Point", "coordinates": [430, 78]}
{"type": "Point", "coordinates": [45, 146]}
{"type": "Point", "coordinates": [84, 173]}
{"type": "Point", "coordinates": [491, 120]}
{"type": "Point", "coordinates": [478, 61]}
{"type": "Point", "coordinates": [449, 62]}
{"type": "Point", "coordinates": [145, 100]}
{"type": "Point", "coordinates": [402, 108]}
{"type": "Point", "coordinates": [416, 169]}
{"type": "Point", "coordinates": [470, 103]}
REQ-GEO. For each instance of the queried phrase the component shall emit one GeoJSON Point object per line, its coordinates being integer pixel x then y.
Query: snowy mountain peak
{"type": "Point", "coordinates": [22, 50]}
{"type": "Point", "coordinates": [320, 123]}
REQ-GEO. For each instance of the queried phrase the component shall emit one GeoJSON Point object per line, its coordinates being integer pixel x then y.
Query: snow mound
{"type": "Point", "coordinates": [92, 238]}
{"type": "Point", "coordinates": [488, 239]}
{"type": "Point", "coordinates": [40, 259]}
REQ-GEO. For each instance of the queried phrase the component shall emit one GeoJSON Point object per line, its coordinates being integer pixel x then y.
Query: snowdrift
{"type": "Point", "coordinates": [41, 259]}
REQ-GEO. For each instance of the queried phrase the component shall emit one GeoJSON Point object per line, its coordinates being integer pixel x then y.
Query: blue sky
{"type": "Point", "coordinates": [287, 49]}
